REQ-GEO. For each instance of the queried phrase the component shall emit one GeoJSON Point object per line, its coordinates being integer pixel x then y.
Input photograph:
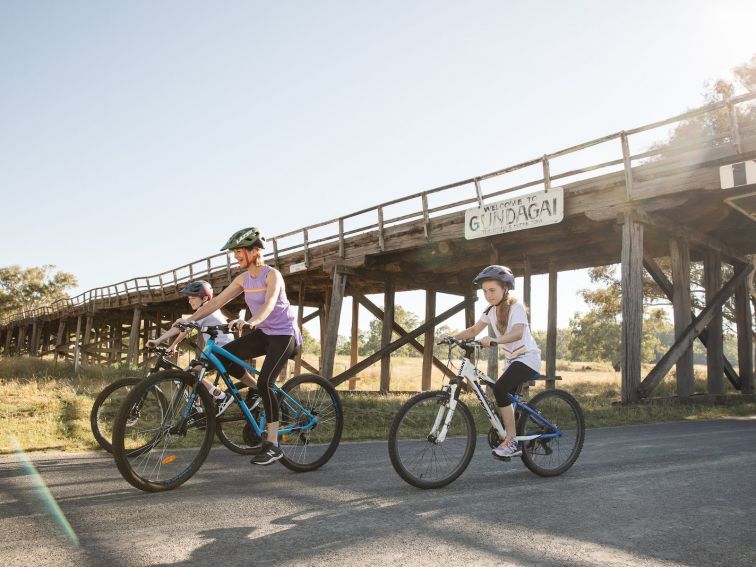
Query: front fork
{"type": "Point", "coordinates": [444, 416]}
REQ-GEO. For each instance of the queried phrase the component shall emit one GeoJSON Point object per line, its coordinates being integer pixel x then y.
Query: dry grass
{"type": "Point", "coordinates": [45, 406]}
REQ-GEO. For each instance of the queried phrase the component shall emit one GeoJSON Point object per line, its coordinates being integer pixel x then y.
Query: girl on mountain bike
{"type": "Point", "coordinates": [522, 356]}
{"type": "Point", "coordinates": [275, 333]}
{"type": "Point", "coordinates": [198, 292]}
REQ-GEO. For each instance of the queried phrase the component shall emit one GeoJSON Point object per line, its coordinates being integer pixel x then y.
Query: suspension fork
{"type": "Point", "coordinates": [445, 413]}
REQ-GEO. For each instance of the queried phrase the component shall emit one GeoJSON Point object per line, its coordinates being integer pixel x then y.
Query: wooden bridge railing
{"type": "Point", "coordinates": [419, 207]}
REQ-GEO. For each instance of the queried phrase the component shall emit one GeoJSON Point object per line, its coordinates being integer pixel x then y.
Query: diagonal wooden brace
{"type": "Point", "coordinates": [696, 327]}
{"type": "Point", "coordinates": [396, 327]}
{"type": "Point", "coordinates": [391, 347]}
{"type": "Point", "coordinates": [666, 286]}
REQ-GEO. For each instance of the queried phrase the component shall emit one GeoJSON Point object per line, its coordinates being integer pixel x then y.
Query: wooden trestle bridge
{"type": "Point", "coordinates": [622, 203]}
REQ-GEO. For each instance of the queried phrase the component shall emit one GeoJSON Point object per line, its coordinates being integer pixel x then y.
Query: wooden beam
{"type": "Point", "coordinates": [743, 321]}
{"type": "Point", "coordinates": [310, 368]}
{"type": "Point", "coordinates": [680, 258]}
{"type": "Point", "coordinates": [300, 322]}
{"type": "Point", "coordinates": [696, 327]}
{"type": "Point", "coordinates": [33, 340]}
{"type": "Point", "coordinates": [21, 338]}
{"type": "Point", "coordinates": [657, 274]}
{"type": "Point", "coordinates": [399, 343]}
{"type": "Point", "coordinates": [470, 314]}
{"type": "Point", "coordinates": [715, 345]}
{"type": "Point", "coordinates": [551, 329]}
{"type": "Point", "coordinates": [332, 325]}
{"type": "Point", "coordinates": [136, 320]}
{"type": "Point", "coordinates": [526, 286]}
{"type": "Point", "coordinates": [77, 345]}
{"type": "Point", "coordinates": [317, 313]}
{"type": "Point", "coordinates": [430, 339]}
{"type": "Point", "coordinates": [632, 307]}
{"type": "Point", "coordinates": [355, 340]}
{"type": "Point", "coordinates": [679, 231]}
{"type": "Point", "coordinates": [59, 336]}
{"type": "Point", "coordinates": [388, 321]}
{"type": "Point", "coordinates": [8, 339]}
{"type": "Point", "coordinates": [378, 313]}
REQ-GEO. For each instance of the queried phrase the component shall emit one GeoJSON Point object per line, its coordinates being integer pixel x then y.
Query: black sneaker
{"type": "Point", "coordinates": [268, 454]}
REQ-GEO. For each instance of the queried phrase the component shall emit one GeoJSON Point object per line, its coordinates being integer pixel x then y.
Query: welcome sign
{"type": "Point", "coordinates": [518, 213]}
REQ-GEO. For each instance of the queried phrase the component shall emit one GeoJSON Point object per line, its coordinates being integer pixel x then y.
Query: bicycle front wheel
{"type": "Point", "coordinates": [414, 448]}
{"type": "Point", "coordinates": [552, 456]}
{"type": "Point", "coordinates": [106, 406]}
{"type": "Point", "coordinates": [171, 439]}
{"type": "Point", "coordinates": [312, 420]}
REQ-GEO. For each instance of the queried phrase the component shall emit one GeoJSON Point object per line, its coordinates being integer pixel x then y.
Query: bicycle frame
{"type": "Point", "coordinates": [468, 371]}
{"type": "Point", "coordinates": [211, 355]}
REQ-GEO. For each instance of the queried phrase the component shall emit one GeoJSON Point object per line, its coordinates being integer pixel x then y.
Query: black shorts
{"type": "Point", "coordinates": [516, 373]}
{"type": "Point", "coordinates": [277, 349]}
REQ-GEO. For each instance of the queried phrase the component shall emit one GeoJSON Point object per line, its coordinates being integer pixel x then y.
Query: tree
{"type": "Point", "coordinates": [405, 318]}
{"type": "Point", "coordinates": [597, 334]}
{"type": "Point", "coordinates": [31, 288]}
{"type": "Point", "coordinates": [716, 123]}
{"type": "Point", "coordinates": [309, 344]}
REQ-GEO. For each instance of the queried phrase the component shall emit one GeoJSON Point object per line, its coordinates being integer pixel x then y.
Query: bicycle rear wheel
{"type": "Point", "coordinates": [311, 411]}
{"type": "Point", "coordinates": [106, 406]}
{"type": "Point", "coordinates": [552, 456]}
{"type": "Point", "coordinates": [414, 450]}
{"type": "Point", "coordinates": [165, 448]}
{"type": "Point", "coordinates": [230, 428]}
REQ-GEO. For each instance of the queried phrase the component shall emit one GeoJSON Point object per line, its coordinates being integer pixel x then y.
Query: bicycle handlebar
{"type": "Point", "coordinates": [464, 343]}
{"type": "Point", "coordinates": [203, 329]}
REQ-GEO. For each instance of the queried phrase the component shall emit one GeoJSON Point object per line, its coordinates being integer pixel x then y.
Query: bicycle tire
{"type": "Point", "coordinates": [552, 457]}
{"type": "Point", "coordinates": [105, 407]}
{"type": "Point", "coordinates": [233, 430]}
{"type": "Point", "coordinates": [415, 456]}
{"type": "Point", "coordinates": [306, 449]}
{"type": "Point", "coordinates": [177, 447]}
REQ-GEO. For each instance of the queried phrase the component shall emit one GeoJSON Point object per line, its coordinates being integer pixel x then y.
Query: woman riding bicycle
{"type": "Point", "coordinates": [275, 333]}
{"type": "Point", "coordinates": [509, 320]}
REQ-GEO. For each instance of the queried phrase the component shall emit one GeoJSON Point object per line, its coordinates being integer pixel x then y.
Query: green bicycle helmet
{"type": "Point", "coordinates": [245, 238]}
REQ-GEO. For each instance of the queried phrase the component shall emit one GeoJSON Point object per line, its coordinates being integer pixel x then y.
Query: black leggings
{"type": "Point", "coordinates": [516, 373]}
{"type": "Point", "coordinates": [278, 349]}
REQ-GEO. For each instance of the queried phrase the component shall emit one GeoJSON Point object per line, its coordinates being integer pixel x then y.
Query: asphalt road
{"type": "Point", "coordinates": [668, 494]}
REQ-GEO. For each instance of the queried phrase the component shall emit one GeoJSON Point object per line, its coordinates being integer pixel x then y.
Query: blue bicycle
{"type": "Point", "coordinates": [432, 438]}
{"type": "Point", "coordinates": [165, 427]}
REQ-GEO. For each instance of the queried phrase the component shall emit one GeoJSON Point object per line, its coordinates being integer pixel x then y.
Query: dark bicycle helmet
{"type": "Point", "coordinates": [198, 288]}
{"type": "Point", "coordinates": [499, 273]}
{"type": "Point", "coordinates": [245, 238]}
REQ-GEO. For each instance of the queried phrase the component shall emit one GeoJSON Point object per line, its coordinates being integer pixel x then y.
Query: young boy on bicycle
{"type": "Point", "coordinates": [509, 320]}
{"type": "Point", "coordinates": [198, 293]}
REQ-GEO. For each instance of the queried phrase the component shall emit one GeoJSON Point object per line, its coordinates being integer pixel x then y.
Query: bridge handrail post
{"type": "Point", "coordinates": [627, 166]}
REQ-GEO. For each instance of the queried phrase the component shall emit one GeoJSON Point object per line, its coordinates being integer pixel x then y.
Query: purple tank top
{"type": "Point", "coordinates": [281, 320]}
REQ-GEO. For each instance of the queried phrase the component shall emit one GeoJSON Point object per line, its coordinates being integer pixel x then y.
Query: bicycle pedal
{"type": "Point", "coordinates": [498, 458]}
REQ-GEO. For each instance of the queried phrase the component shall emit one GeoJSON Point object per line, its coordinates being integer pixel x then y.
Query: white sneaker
{"type": "Point", "coordinates": [223, 403]}
{"type": "Point", "coordinates": [511, 449]}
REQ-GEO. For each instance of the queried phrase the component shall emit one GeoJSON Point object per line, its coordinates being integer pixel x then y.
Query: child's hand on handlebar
{"type": "Point", "coordinates": [178, 322]}
{"type": "Point", "coordinates": [488, 342]}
